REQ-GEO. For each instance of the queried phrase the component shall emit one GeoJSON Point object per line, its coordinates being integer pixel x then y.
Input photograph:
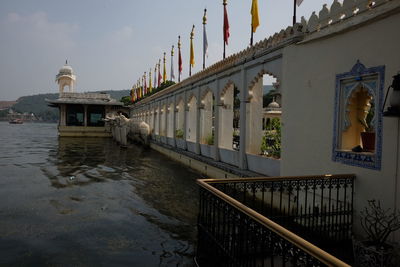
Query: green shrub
{"type": "Point", "coordinates": [210, 139]}
{"type": "Point", "coordinates": [271, 141]}
{"type": "Point", "coordinates": [179, 133]}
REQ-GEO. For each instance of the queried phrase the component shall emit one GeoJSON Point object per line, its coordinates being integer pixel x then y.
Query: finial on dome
{"type": "Point", "coordinates": [66, 62]}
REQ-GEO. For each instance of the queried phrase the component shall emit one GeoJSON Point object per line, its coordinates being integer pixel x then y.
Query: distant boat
{"type": "Point", "coordinates": [16, 121]}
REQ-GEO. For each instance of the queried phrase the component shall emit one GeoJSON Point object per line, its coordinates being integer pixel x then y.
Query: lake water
{"type": "Point", "coordinates": [87, 202]}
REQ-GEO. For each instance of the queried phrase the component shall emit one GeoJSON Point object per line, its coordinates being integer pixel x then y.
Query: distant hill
{"type": "Point", "coordinates": [37, 105]}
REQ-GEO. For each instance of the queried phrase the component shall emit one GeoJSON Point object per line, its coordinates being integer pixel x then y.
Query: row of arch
{"type": "Point", "coordinates": [228, 119]}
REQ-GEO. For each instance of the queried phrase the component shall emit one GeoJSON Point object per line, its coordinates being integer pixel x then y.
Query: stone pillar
{"type": "Point", "coordinates": [117, 132]}
{"type": "Point", "coordinates": [123, 133]}
{"type": "Point", "coordinates": [159, 120]}
{"type": "Point", "coordinates": [63, 115]}
{"type": "Point", "coordinates": [198, 120]}
{"type": "Point", "coordinates": [174, 120]}
{"type": "Point", "coordinates": [242, 123]}
{"type": "Point", "coordinates": [217, 104]}
{"type": "Point", "coordinates": [185, 102]}
{"type": "Point", "coordinates": [254, 119]}
{"type": "Point", "coordinates": [85, 107]}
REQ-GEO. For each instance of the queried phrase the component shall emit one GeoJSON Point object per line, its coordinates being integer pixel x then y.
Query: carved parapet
{"type": "Point", "coordinates": [338, 12]}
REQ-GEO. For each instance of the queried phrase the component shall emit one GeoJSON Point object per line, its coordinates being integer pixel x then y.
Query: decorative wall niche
{"type": "Point", "coordinates": [358, 113]}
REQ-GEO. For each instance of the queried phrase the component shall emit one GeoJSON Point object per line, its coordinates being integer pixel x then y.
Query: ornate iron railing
{"type": "Point", "coordinates": [257, 221]}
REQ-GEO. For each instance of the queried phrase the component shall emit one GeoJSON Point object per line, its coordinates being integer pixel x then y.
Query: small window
{"type": "Point", "coordinates": [358, 117]}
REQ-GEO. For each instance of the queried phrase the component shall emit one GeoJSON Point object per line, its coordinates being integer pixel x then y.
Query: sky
{"type": "Point", "coordinates": [111, 43]}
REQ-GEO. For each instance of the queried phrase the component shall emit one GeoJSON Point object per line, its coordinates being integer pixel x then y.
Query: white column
{"type": "Point", "coordinates": [198, 121]}
{"type": "Point", "coordinates": [242, 122]}
{"type": "Point", "coordinates": [216, 120]}
{"type": "Point", "coordinates": [173, 110]}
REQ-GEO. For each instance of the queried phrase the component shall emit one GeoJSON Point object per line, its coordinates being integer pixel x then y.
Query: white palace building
{"type": "Point", "coordinates": [333, 73]}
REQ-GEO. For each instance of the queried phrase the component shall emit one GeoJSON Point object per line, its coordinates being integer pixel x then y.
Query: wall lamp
{"type": "Point", "coordinates": [393, 109]}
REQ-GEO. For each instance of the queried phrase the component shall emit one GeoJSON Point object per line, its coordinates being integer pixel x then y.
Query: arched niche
{"type": "Point", "coordinates": [358, 108]}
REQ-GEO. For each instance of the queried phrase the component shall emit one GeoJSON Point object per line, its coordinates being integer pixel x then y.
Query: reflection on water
{"type": "Point", "coordinates": [86, 202]}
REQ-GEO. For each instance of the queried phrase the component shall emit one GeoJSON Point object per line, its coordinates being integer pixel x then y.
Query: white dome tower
{"type": "Point", "coordinates": [66, 77]}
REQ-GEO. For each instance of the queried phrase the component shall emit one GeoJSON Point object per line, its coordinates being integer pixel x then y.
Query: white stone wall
{"type": "Point", "coordinates": [309, 70]}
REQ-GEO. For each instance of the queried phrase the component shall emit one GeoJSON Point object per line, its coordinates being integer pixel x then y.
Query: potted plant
{"type": "Point", "coordinates": [378, 224]}
{"type": "Point", "coordinates": [368, 136]}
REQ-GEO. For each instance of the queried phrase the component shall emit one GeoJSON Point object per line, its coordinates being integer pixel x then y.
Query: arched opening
{"type": "Point", "coordinates": [263, 123]}
{"type": "Point", "coordinates": [207, 119]}
{"type": "Point", "coordinates": [227, 118]}
{"type": "Point", "coordinates": [191, 120]}
{"type": "Point", "coordinates": [163, 117]}
{"type": "Point", "coordinates": [151, 122]}
{"type": "Point", "coordinates": [170, 126]}
{"type": "Point", "coordinates": [66, 88]}
{"type": "Point", "coordinates": [157, 121]}
{"type": "Point", "coordinates": [179, 119]}
{"type": "Point", "coordinates": [236, 119]}
{"type": "Point", "coordinates": [359, 129]}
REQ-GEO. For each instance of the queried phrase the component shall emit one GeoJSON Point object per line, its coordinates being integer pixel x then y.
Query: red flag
{"type": "Point", "coordinates": [226, 26]}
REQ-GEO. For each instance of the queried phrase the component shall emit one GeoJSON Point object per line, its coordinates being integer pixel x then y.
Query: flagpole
{"type": "Point", "coordinates": [251, 38]}
{"type": "Point", "coordinates": [172, 64]}
{"type": "Point", "coordinates": [204, 32]}
{"type": "Point", "coordinates": [179, 58]}
{"type": "Point", "coordinates": [294, 12]}
{"type": "Point", "coordinates": [224, 4]}
{"type": "Point", "coordinates": [159, 72]}
{"type": "Point", "coordinates": [164, 68]}
{"type": "Point", "coordinates": [191, 51]}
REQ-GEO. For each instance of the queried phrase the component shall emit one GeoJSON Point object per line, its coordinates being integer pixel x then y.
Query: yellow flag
{"type": "Point", "coordinates": [150, 85]}
{"type": "Point", "coordinates": [255, 19]}
{"type": "Point", "coordinates": [165, 70]}
{"type": "Point", "coordinates": [192, 48]}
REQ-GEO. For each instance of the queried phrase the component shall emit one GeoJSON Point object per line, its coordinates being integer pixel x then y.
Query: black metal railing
{"type": "Point", "coordinates": [258, 221]}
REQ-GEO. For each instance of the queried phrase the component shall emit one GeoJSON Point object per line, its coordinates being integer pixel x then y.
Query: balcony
{"type": "Point", "coordinates": [276, 221]}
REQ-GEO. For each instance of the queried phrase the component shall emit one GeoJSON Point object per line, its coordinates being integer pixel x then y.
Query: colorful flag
{"type": "Point", "coordinates": [226, 24]}
{"type": "Point", "coordinates": [150, 85]}
{"type": "Point", "coordinates": [255, 19]}
{"type": "Point", "coordinates": [165, 69]}
{"type": "Point", "coordinates": [192, 47]}
{"type": "Point", "coordinates": [298, 2]}
{"type": "Point", "coordinates": [136, 94]}
{"type": "Point", "coordinates": [159, 73]}
{"type": "Point", "coordinates": [144, 84]}
{"type": "Point", "coordinates": [180, 55]}
{"type": "Point", "coordinates": [205, 40]}
{"type": "Point", "coordinates": [172, 64]}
